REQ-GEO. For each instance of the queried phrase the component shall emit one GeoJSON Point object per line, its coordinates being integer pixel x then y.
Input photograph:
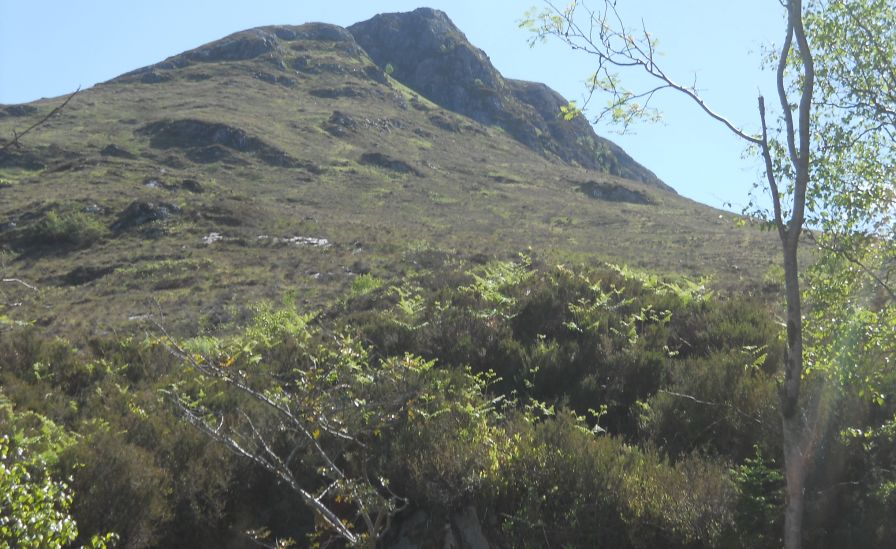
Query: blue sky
{"type": "Point", "coordinates": [50, 47]}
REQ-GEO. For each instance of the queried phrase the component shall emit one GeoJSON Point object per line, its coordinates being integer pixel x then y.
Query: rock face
{"type": "Point", "coordinates": [575, 140]}
{"type": "Point", "coordinates": [429, 54]}
{"type": "Point", "coordinates": [432, 56]}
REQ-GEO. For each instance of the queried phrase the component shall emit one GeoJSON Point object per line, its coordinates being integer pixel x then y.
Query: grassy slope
{"type": "Point", "coordinates": [478, 192]}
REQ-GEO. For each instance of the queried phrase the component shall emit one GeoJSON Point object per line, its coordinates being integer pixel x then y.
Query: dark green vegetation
{"type": "Point", "coordinates": [375, 181]}
{"type": "Point", "coordinates": [544, 406]}
{"type": "Point", "coordinates": [202, 184]}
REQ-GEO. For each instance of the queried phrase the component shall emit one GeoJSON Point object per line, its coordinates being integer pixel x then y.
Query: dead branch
{"type": "Point", "coordinates": [22, 282]}
{"type": "Point", "coordinates": [18, 136]}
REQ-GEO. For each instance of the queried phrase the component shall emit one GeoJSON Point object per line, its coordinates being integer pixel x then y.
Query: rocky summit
{"type": "Point", "coordinates": [433, 57]}
{"type": "Point", "coordinates": [205, 182]}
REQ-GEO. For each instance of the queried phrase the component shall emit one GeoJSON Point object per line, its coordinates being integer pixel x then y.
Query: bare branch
{"type": "Point", "coordinates": [18, 136]}
{"type": "Point", "coordinates": [714, 404]}
{"type": "Point", "coordinates": [278, 469]}
{"type": "Point", "coordinates": [22, 282]}
{"type": "Point", "coordinates": [770, 171]}
{"type": "Point", "coordinates": [629, 54]}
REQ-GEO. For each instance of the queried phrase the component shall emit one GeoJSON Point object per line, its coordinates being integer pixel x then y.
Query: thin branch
{"type": "Point", "coordinates": [770, 171]}
{"type": "Point", "coordinates": [858, 263]}
{"type": "Point", "coordinates": [22, 282]}
{"type": "Point", "coordinates": [631, 54]}
{"type": "Point", "coordinates": [18, 136]}
{"type": "Point", "coordinates": [714, 404]}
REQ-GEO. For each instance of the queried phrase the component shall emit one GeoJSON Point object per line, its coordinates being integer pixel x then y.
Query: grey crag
{"type": "Point", "coordinates": [433, 57]}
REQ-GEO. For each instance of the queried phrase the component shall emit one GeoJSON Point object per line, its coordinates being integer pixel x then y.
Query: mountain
{"type": "Point", "coordinates": [291, 159]}
{"type": "Point", "coordinates": [433, 57]}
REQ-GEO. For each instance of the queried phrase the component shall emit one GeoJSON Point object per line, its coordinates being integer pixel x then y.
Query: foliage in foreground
{"type": "Point", "coordinates": [35, 507]}
{"type": "Point", "coordinates": [583, 407]}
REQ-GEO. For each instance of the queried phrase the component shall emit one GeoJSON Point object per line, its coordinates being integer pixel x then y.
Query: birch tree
{"type": "Point", "coordinates": [826, 143]}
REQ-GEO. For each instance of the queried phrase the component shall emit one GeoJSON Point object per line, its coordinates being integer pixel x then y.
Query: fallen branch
{"type": "Point", "coordinates": [22, 282]}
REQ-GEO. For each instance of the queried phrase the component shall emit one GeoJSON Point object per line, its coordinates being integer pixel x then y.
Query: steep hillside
{"type": "Point", "coordinates": [284, 160]}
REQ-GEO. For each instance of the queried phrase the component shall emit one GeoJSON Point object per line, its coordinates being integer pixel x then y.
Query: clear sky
{"type": "Point", "coordinates": [50, 47]}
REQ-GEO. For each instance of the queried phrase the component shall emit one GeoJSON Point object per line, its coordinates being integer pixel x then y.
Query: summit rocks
{"type": "Point", "coordinates": [429, 54]}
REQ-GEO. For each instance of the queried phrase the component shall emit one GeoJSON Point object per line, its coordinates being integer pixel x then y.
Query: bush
{"type": "Point", "coordinates": [35, 507]}
{"type": "Point", "coordinates": [70, 229]}
{"type": "Point", "coordinates": [723, 404]}
{"type": "Point", "coordinates": [363, 284]}
{"type": "Point", "coordinates": [560, 485]}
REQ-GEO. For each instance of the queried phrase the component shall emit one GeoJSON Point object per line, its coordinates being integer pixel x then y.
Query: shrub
{"type": "Point", "coordinates": [363, 284]}
{"type": "Point", "coordinates": [562, 486]}
{"type": "Point", "coordinates": [35, 507]}
{"type": "Point", "coordinates": [760, 502]}
{"type": "Point", "coordinates": [723, 404]}
{"type": "Point", "coordinates": [70, 229]}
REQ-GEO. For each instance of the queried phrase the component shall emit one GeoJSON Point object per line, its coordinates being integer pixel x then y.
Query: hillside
{"type": "Point", "coordinates": [290, 159]}
{"type": "Point", "coordinates": [313, 286]}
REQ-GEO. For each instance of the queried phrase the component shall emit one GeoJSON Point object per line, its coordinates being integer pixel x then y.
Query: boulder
{"type": "Point", "coordinates": [140, 213]}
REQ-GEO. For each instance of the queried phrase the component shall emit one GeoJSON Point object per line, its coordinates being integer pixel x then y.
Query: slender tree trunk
{"type": "Point", "coordinates": [795, 477]}
{"type": "Point", "coordinates": [793, 424]}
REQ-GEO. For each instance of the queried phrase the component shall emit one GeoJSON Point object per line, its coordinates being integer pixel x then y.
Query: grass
{"type": "Point", "coordinates": [489, 197]}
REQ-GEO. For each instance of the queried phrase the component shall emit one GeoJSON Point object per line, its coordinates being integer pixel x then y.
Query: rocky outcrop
{"type": "Point", "coordinates": [269, 44]}
{"type": "Point", "coordinates": [574, 140]}
{"type": "Point", "coordinates": [17, 110]}
{"type": "Point", "coordinates": [39, 157]}
{"type": "Point", "coordinates": [612, 192]}
{"type": "Point", "coordinates": [381, 160]}
{"type": "Point", "coordinates": [204, 141]}
{"type": "Point", "coordinates": [237, 47]}
{"type": "Point", "coordinates": [140, 213]}
{"type": "Point", "coordinates": [114, 150]}
{"type": "Point", "coordinates": [432, 56]}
